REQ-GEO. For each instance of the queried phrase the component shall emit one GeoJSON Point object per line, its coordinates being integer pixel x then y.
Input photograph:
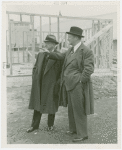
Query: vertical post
{"type": "Point", "coordinates": [23, 48]}
{"type": "Point", "coordinates": [110, 46]}
{"type": "Point", "coordinates": [6, 49]}
{"type": "Point", "coordinates": [43, 35]}
{"type": "Point", "coordinates": [97, 53]}
{"type": "Point", "coordinates": [88, 33]}
{"type": "Point", "coordinates": [20, 17]}
{"type": "Point", "coordinates": [15, 46]}
{"type": "Point", "coordinates": [92, 27]}
{"type": "Point", "coordinates": [58, 30]}
{"type": "Point", "coordinates": [65, 40]}
{"type": "Point", "coordinates": [40, 31]}
{"type": "Point", "coordinates": [33, 40]}
{"type": "Point", "coordinates": [98, 46]}
{"type": "Point", "coordinates": [10, 50]}
{"type": "Point", "coordinates": [18, 54]}
{"type": "Point", "coordinates": [105, 23]}
{"type": "Point", "coordinates": [27, 49]}
{"type": "Point", "coordinates": [49, 25]}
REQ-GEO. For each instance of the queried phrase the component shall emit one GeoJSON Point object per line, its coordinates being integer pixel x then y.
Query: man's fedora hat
{"type": "Point", "coordinates": [50, 38]}
{"type": "Point", "coordinates": [76, 31]}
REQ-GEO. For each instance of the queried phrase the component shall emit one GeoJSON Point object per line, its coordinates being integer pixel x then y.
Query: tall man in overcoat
{"type": "Point", "coordinates": [76, 85]}
{"type": "Point", "coordinates": [44, 97]}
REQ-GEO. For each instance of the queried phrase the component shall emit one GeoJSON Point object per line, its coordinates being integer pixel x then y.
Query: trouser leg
{"type": "Point", "coordinates": [72, 125]}
{"type": "Point", "coordinates": [77, 100]}
{"type": "Point", "coordinates": [51, 118]}
{"type": "Point", "coordinates": [36, 119]}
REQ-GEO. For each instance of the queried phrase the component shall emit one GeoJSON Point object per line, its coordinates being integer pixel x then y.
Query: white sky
{"type": "Point", "coordinates": [78, 9]}
{"type": "Point", "coordinates": [71, 9]}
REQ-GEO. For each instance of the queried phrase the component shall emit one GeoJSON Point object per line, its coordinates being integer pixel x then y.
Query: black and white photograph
{"type": "Point", "coordinates": [60, 74]}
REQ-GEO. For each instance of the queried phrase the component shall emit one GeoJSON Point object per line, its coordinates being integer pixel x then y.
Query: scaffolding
{"type": "Point", "coordinates": [99, 38]}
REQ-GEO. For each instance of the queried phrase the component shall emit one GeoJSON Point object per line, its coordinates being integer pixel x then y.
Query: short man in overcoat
{"type": "Point", "coordinates": [44, 97]}
{"type": "Point", "coordinates": [76, 85]}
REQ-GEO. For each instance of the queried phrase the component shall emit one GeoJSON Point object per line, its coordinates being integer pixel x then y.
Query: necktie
{"type": "Point", "coordinates": [72, 51]}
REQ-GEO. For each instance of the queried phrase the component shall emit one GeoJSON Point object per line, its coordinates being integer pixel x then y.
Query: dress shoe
{"type": "Point", "coordinates": [31, 129]}
{"type": "Point", "coordinates": [79, 139]}
{"type": "Point", "coordinates": [69, 132]}
{"type": "Point", "coordinates": [50, 128]}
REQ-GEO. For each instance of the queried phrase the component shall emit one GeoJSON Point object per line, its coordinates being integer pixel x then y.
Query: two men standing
{"type": "Point", "coordinates": [76, 85]}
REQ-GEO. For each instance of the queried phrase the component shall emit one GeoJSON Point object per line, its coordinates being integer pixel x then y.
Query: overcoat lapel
{"type": "Point", "coordinates": [50, 63]}
{"type": "Point", "coordinates": [74, 56]}
{"type": "Point", "coordinates": [40, 61]}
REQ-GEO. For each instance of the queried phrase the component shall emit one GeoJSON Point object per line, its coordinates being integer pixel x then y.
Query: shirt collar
{"type": "Point", "coordinates": [76, 46]}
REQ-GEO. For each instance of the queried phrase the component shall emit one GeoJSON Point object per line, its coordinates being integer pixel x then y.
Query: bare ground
{"type": "Point", "coordinates": [102, 126]}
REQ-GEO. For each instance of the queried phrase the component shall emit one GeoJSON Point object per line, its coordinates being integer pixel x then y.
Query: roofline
{"type": "Point", "coordinates": [43, 15]}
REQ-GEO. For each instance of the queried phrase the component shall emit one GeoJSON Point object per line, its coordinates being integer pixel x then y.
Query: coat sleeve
{"type": "Point", "coordinates": [57, 84]}
{"type": "Point", "coordinates": [35, 66]}
{"type": "Point", "coordinates": [56, 55]}
{"type": "Point", "coordinates": [88, 68]}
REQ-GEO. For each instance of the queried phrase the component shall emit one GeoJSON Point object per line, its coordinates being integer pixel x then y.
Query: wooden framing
{"type": "Point", "coordinates": [10, 49]}
{"type": "Point", "coordinates": [40, 31]}
{"type": "Point", "coordinates": [18, 54]}
{"type": "Point", "coordinates": [6, 49]}
{"type": "Point", "coordinates": [58, 30]}
{"type": "Point", "coordinates": [23, 49]}
{"type": "Point", "coordinates": [65, 39]}
{"type": "Point", "coordinates": [87, 32]}
{"type": "Point", "coordinates": [21, 22]}
{"type": "Point", "coordinates": [20, 18]}
{"type": "Point", "coordinates": [33, 40]}
{"type": "Point", "coordinates": [55, 16]}
{"type": "Point", "coordinates": [49, 25]}
{"type": "Point", "coordinates": [92, 27]}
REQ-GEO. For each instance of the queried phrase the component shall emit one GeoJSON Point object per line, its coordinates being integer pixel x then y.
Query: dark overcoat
{"type": "Point", "coordinates": [78, 69]}
{"type": "Point", "coordinates": [45, 91]}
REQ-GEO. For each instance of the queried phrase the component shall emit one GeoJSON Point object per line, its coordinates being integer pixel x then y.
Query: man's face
{"type": "Point", "coordinates": [49, 45]}
{"type": "Point", "coordinates": [71, 39]}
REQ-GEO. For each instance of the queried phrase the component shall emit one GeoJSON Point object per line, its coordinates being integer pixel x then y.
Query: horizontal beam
{"type": "Point", "coordinates": [67, 17]}
{"type": "Point", "coordinates": [24, 75]}
{"type": "Point", "coordinates": [19, 22]}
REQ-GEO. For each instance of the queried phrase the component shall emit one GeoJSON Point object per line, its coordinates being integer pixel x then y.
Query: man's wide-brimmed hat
{"type": "Point", "coordinates": [76, 31]}
{"type": "Point", "coordinates": [51, 38]}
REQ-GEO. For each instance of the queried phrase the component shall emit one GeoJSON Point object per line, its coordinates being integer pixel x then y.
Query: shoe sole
{"type": "Point", "coordinates": [70, 133]}
{"type": "Point", "coordinates": [77, 140]}
{"type": "Point", "coordinates": [28, 131]}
